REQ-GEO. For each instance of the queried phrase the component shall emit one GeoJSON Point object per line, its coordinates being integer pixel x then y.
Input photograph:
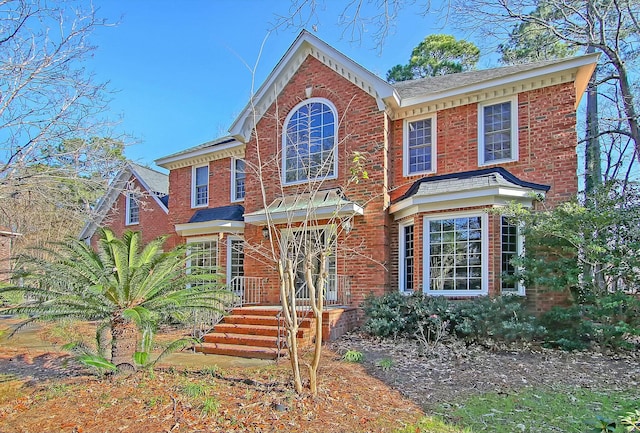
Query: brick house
{"type": "Point", "coordinates": [399, 177]}
{"type": "Point", "coordinates": [137, 199]}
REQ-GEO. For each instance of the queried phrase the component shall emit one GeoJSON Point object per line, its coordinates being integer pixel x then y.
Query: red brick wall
{"type": "Point", "coordinates": [154, 221]}
{"type": "Point", "coordinates": [180, 189]}
{"type": "Point", "coordinates": [547, 155]}
{"type": "Point", "coordinates": [547, 142]}
{"type": "Point", "coordinates": [362, 129]}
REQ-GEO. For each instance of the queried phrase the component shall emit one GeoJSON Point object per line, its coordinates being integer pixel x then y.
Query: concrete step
{"type": "Point", "coordinates": [242, 339]}
{"type": "Point", "coordinates": [238, 350]}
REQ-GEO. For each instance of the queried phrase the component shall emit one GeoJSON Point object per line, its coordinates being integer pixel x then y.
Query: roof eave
{"type": "Point", "coordinates": [347, 209]}
{"type": "Point", "coordinates": [584, 65]}
{"type": "Point", "coordinates": [168, 161]}
{"type": "Point", "coordinates": [486, 196]}
{"type": "Point", "coordinates": [209, 227]}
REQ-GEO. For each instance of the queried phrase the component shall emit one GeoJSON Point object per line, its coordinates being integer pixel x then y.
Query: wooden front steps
{"type": "Point", "coordinates": [252, 332]}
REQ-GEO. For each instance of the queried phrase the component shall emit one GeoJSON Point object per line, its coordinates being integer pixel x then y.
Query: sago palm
{"type": "Point", "coordinates": [127, 287]}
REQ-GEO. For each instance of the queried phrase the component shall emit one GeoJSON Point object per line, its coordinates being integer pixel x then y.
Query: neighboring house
{"type": "Point", "coordinates": [6, 246]}
{"type": "Point", "coordinates": [137, 199]}
{"type": "Point", "coordinates": [439, 153]}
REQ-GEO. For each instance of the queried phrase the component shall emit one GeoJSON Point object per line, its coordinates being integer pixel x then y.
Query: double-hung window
{"type": "Point", "coordinates": [309, 142]}
{"type": "Point", "coordinates": [238, 177]}
{"type": "Point", "coordinates": [200, 186]}
{"type": "Point", "coordinates": [498, 131]}
{"type": "Point", "coordinates": [133, 209]}
{"type": "Point", "coordinates": [419, 146]}
{"type": "Point", "coordinates": [455, 255]}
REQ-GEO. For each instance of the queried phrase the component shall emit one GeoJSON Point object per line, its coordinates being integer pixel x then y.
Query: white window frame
{"type": "Point", "coordinates": [519, 250]}
{"type": "Point", "coordinates": [213, 239]}
{"type": "Point", "coordinates": [405, 146]}
{"type": "Point", "coordinates": [234, 180]}
{"type": "Point", "coordinates": [131, 197]}
{"type": "Point", "coordinates": [513, 100]}
{"type": "Point", "coordinates": [230, 239]}
{"type": "Point", "coordinates": [194, 203]}
{"type": "Point", "coordinates": [402, 272]}
{"type": "Point", "coordinates": [335, 142]}
{"type": "Point", "coordinates": [426, 256]}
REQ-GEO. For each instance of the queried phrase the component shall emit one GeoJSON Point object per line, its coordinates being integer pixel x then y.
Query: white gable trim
{"type": "Point", "coordinates": [307, 45]}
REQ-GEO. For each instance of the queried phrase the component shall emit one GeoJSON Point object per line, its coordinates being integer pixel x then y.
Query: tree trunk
{"type": "Point", "coordinates": [125, 342]}
{"type": "Point", "coordinates": [288, 302]}
{"type": "Point", "coordinates": [316, 296]}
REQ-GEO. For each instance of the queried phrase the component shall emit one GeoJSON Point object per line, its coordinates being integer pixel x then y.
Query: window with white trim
{"type": "Point", "coordinates": [498, 131]}
{"type": "Point", "coordinates": [132, 209]}
{"type": "Point", "coordinates": [511, 247]}
{"type": "Point", "coordinates": [455, 255]}
{"type": "Point", "coordinates": [238, 177]}
{"type": "Point", "coordinates": [309, 142]}
{"type": "Point", "coordinates": [203, 258]}
{"type": "Point", "coordinates": [407, 263]}
{"type": "Point", "coordinates": [200, 186]}
{"type": "Point", "coordinates": [419, 146]}
{"type": "Point", "coordinates": [235, 258]}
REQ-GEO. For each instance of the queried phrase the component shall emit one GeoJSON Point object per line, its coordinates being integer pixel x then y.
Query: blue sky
{"type": "Point", "coordinates": [180, 68]}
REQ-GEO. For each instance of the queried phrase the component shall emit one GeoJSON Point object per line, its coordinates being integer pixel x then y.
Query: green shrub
{"type": "Point", "coordinates": [386, 315]}
{"type": "Point", "coordinates": [614, 317]}
{"type": "Point", "coordinates": [607, 321]}
{"type": "Point", "coordinates": [567, 328]}
{"type": "Point", "coordinates": [501, 318]}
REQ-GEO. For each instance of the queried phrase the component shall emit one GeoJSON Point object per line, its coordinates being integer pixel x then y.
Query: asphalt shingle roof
{"type": "Point", "coordinates": [422, 86]}
{"type": "Point", "coordinates": [223, 213]}
{"type": "Point", "coordinates": [468, 180]}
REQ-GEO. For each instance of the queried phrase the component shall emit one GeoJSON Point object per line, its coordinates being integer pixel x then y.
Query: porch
{"type": "Point", "coordinates": [254, 329]}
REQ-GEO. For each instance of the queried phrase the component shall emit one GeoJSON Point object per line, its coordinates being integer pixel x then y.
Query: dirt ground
{"type": "Point", "coordinates": [43, 390]}
{"type": "Point", "coordinates": [453, 370]}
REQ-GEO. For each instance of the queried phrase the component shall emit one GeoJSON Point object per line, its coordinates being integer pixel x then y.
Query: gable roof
{"type": "Point", "coordinates": [398, 98]}
{"type": "Point", "coordinates": [577, 69]}
{"type": "Point", "coordinates": [154, 182]}
{"type": "Point", "coordinates": [307, 44]}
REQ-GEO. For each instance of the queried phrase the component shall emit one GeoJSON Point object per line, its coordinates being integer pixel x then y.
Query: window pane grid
{"type": "Point", "coordinates": [133, 216]}
{"type": "Point", "coordinates": [509, 244]}
{"type": "Point", "coordinates": [455, 248]}
{"type": "Point", "coordinates": [240, 176]}
{"type": "Point", "coordinates": [206, 259]}
{"type": "Point", "coordinates": [201, 187]}
{"type": "Point", "coordinates": [237, 258]}
{"type": "Point", "coordinates": [310, 143]}
{"type": "Point", "coordinates": [419, 144]}
{"type": "Point", "coordinates": [497, 131]}
{"type": "Point", "coordinates": [408, 262]}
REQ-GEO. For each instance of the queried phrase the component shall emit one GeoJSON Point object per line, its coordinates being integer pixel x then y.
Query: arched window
{"type": "Point", "coordinates": [309, 142]}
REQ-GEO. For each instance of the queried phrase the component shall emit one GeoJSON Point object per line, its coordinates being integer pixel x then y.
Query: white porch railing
{"type": "Point", "coordinates": [248, 289]}
{"type": "Point", "coordinates": [337, 291]}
